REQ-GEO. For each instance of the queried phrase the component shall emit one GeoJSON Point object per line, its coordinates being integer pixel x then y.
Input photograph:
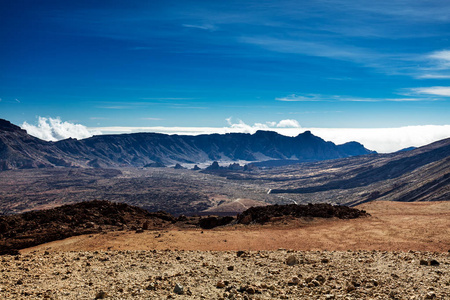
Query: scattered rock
{"type": "Point", "coordinates": [433, 262]}
{"type": "Point", "coordinates": [320, 279]}
{"type": "Point", "coordinates": [260, 275]}
{"type": "Point", "coordinates": [291, 260]}
{"type": "Point", "coordinates": [146, 225]}
{"type": "Point", "coordinates": [349, 287]}
{"type": "Point", "coordinates": [294, 281]}
{"type": "Point", "coordinates": [240, 253]}
{"type": "Point", "coordinates": [423, 262]}
{"type": "Point", "coordinates": [178, 289]}
{"type": "Point", "coordinates": [430, 262]}
{"type": "Point", "coordinates": [101, 295]}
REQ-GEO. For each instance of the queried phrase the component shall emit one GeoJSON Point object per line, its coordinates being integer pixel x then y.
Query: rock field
{"type": "Point", "coordinates": [279, 274]}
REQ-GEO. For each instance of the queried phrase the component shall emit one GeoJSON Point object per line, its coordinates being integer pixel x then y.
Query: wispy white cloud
{"type": "Point", "coordinates": [190, 107]}
{"type": "Point", "coordinates": [433, 76]}
{"type": "Point", "coordinates": [437, 65]}
{"type": "Point", "coordinates": [14, 101]}
{"type": "Point", "coordinates": [337, 98]}
{"type": "Point", "coordinates": [442, 57]}
{"type": "Point", "coordinates": [166, 98]}
{"type": "Point", "coordinates": [98, 118]}
{"type": "Point", "coordinates": [53, 129]}
{"type": "Point", "coordinates": [312, 48]}
{"type": "Point", "coordinates": [152, 119]}
{"type": "Point", "coordinates": [443, 91]}
{"type": "Point", "coordinates": [208, 27]}
{"type": "Point", "coordinates": [301, 98]}
{"type": "Point", "coordinates": [116, 107]}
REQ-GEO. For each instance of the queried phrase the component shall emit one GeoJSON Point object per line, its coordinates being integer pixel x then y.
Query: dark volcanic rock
{"type": "Point", "coordinates": [213, 166]}
{"type": "Point", "coordinates": [264, 214]}
{"type": "Point", "coordinates": [155, 165]}
{"type": "Point", "coordinates": [37, 227]}
{"type": "Point", "coordinates": [212, 222]}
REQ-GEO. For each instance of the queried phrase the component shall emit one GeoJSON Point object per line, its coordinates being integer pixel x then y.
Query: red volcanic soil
{"type": "Point", "coordinates": [391, 226]}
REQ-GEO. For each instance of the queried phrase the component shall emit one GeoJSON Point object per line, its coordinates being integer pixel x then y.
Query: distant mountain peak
{"type": "Point", "coordinates": [8, 126]}
{"type": "Point", "coordinates": [268, 133]}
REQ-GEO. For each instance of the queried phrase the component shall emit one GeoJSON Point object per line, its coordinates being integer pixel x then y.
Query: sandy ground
{"type": "Point", "coordinates": [391, 227]}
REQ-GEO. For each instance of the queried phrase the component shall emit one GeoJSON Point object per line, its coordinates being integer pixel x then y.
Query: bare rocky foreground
{"type": "Point", "coordinates": [277, 274]}
{"type": "Point", "coordinates": [245, 262]}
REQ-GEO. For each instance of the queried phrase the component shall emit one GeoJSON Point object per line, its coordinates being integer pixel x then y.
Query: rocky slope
{"type": "Point", "coordinates": [422, 174]}
{"type": "Point", "coordinates": [19, 150]}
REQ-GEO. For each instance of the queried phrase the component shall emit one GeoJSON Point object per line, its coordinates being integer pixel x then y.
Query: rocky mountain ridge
{"type": "Point", "coordinates": [18, 150]}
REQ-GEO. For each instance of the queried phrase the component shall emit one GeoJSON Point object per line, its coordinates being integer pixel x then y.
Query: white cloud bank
{"type": "Point", "coordinates": [50, 129]}
{"type": "Point", "coordinates": [386, 140]}
{"type": "Point", "coordinates": [382, 140]}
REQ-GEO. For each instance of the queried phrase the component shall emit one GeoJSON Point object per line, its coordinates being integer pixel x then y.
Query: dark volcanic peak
{"type": "Point", "coordinates": [8, 126]}
{"type": "Point", "coordinates": [149, 149]}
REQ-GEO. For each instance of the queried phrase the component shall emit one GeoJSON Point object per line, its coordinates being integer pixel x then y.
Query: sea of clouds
{"type": "Point", "coordinates": [382, 140]}
{"type": "Point", "coordinates": [53, 129]}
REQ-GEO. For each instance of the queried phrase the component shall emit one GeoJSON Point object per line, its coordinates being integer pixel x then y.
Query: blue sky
{"type": "Point", "coordinates": [325, 64]}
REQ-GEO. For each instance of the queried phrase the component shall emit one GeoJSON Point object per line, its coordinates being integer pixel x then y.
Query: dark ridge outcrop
{"type": "Point", "coordinates": [264, 214]}
{"type": "Point", "coordinates": [8, 126]}
{"type": "Point", "coordinates": [42, 226]}
{"type": "Point", "coordinates": [212, 222]}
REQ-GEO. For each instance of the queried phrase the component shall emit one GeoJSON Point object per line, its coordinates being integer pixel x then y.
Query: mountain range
{"type": "Point", "coordinates": [19, 150]}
